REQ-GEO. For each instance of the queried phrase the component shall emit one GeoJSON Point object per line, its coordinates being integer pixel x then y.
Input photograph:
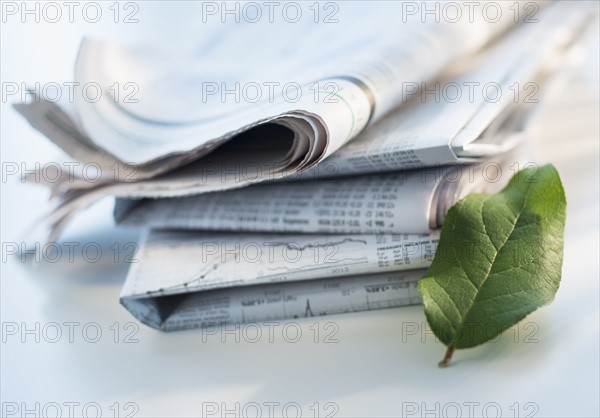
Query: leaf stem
{"type": "Point", "coordinates": [447, 356]}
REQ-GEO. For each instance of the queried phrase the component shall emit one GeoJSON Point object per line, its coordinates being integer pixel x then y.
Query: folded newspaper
{"type": "Point", "coordinates": [171, 143]}
{"type": "Point", "coordinates": [374, 240]}
{"type": "Point", "coordinates": [389, 127]}
{"type": "Point", "coordinates": [191, 279]}
{"type": "Point", "coordinates": [400, 202]}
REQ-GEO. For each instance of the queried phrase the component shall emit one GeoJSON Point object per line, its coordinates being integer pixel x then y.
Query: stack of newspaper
{"type": "Point", "coordinates": [323, 196]}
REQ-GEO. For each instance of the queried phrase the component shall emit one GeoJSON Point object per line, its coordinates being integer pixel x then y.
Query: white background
{"type": "Point", "coordinates": [379, 366]}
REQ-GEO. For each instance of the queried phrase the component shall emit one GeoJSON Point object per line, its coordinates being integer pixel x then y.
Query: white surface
{"type": "Point", "coordinates": [377, 368]}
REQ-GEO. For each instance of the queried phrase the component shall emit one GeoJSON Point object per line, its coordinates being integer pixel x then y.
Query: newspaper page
{"type": "Point", "coordinates": [278, 301]}
{"type": "Point", "coordinates": [403, 202]}
{"type": "Point", "coordinates": [480, 112]}
{"type": "Point", "coordinates": [211, 273]}
{"type": "Point", "coordinates": [520, 62]}
{"type": "Point", "coordinates": [390, 145]}
{"type": "Point", "coordinates": [202, 261]}
{"type": "Point", "coordinates": [343, 85]}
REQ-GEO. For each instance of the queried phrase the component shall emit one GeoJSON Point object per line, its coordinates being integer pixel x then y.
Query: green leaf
{"type": "Point", "coordinates": [499, 258]}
